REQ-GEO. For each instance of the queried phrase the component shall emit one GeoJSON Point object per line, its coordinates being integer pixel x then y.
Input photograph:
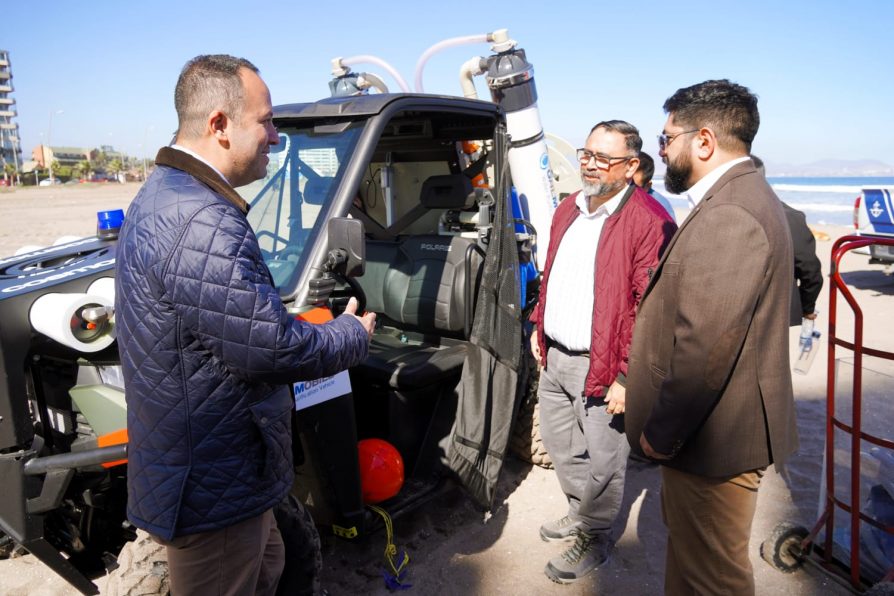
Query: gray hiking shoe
{"type": "Point", "coordinates": [586, 554]}
{"type": "Point", "coordinates": [560, 529]}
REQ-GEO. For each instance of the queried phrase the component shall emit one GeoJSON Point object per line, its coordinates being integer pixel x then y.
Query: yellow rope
{"type": "Point", "coordinates": [390, 548]}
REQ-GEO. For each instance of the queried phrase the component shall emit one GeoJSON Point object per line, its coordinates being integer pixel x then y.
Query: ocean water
{"type": "Point", "coordinates": [823, 200]}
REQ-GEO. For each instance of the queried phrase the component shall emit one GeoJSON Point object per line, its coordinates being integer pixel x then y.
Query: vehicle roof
{"type": "Point", "coordinates": [370, 105]}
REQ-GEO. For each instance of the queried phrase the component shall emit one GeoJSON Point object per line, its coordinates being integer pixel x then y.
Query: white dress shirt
{"type": "Point", "coordinates": [569, 295]}
{"type": "Point", "coordinates": [700, 188]}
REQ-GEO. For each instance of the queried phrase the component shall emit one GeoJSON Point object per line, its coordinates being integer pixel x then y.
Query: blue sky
{"type": "Point", "coordinates": [823, 70]}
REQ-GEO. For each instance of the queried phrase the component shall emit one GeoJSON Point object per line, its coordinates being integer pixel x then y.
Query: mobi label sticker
{"type": "Point", "coordinates": [309, 393]}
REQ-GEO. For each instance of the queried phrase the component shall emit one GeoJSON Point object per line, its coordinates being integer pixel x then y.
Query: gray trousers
{"type": "Point", "coordinates": [240, 560]}
{"type": "Point", "coordinates": [587, 445]}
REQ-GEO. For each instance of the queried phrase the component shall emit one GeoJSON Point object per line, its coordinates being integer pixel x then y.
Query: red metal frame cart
{"type": "Point", "coordinates": [791, 546]}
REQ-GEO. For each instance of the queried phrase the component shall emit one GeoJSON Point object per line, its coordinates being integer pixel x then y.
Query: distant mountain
{"type": "Point", "coordinates": [831, 168]}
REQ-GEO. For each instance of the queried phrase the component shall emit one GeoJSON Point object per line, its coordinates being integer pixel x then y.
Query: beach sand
{"type": "Point", "coordinates": [454, 547]}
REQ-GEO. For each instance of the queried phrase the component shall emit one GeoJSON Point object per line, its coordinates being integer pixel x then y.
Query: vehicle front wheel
{"type": "Point", "coordinates": [304, 559]}
{"type": "Point", "coordinates": [142, 569]}
{"type": "Point", "coordinates": [8, 547]}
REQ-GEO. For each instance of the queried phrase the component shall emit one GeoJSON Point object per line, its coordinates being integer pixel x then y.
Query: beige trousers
{"type": "Point", "coordinates": [709, 524]}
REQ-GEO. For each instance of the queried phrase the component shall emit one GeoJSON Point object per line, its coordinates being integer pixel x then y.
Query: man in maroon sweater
{"type": "Point", "coordinates": [604, 242]}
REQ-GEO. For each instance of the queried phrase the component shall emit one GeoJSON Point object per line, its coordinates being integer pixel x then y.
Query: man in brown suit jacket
{"type": "Point", "coordinates": [709, 390]}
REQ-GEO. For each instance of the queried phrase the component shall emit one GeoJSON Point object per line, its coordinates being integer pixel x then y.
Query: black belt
{"type": "Point", "coordinates": [551, 343]}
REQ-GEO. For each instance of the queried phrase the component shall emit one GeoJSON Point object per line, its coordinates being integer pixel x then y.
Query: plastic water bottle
{"type": "Point", "coordinates": [808, 346]}
{"type": "Point", "coordinates": [806, 339]}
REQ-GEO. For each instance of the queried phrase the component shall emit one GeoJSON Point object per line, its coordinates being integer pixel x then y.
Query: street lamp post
{"type": "Point", "coordinates": [48, 161]}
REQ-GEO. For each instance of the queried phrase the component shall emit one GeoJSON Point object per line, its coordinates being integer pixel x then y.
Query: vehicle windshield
{"type": "Point", "coordinates": [301, 181]}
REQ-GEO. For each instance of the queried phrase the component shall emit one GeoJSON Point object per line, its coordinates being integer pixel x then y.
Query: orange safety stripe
{"type": "Point", "coordinates": [316, 315]}
{"type": "Point", "coordinates": [117, 437]}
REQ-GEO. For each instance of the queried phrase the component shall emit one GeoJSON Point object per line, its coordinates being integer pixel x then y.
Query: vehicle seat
{"type": "Point", "coordinates": [423, 289]}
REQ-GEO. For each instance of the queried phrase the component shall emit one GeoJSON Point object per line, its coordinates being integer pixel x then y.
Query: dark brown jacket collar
{"type": "Point", "coordinates": [740, 169]}
{"type": "Point", "coordinates": [168, 156]}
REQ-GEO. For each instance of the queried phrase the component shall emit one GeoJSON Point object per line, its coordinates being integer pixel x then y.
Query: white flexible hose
{"type": "Point", "coordinates": [447, 43]}
{"type": "Point", "coordinates": [368, 79]}
{"type": "Point", "coordinates": [379, 62]}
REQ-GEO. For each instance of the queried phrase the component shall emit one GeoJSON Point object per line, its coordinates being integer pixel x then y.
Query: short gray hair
{"type": "Point", "coordinates": [207, 83]}
{"type": "Point", "coordinates": [631, 134]}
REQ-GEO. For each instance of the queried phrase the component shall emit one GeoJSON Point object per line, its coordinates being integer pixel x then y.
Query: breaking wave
{"type": "Point", "coordinates": [854, 190]}
{"type": "Point", "coordinates": [826, 207]}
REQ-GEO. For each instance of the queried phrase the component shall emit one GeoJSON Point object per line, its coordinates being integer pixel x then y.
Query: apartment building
{"type": "Point", "coordinates": [10, 145]}
{"type": "Point", "coordinates": [43, 155]}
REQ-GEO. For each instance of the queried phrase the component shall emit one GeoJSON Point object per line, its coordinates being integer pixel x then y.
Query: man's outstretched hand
{"type": "Point", "coordinates": [368, 320]}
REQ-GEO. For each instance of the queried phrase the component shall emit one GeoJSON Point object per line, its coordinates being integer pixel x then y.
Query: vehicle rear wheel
{"type": "Point", "coordinates": [526, 443]}
{"type": "Point", "coordinates": [142, 569]}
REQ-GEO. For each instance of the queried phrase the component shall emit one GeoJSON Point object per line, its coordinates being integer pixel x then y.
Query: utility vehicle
{"type": "Point", "coordinates": [423, 206]}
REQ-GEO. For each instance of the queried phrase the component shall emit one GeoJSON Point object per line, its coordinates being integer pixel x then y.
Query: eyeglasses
{"type": "Point", "coordinates": [603, 162]}
{"type": "Point", "coordinates": [665, 139]}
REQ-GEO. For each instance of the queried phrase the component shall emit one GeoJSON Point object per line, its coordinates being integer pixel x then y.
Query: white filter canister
{"type": "Point", "coordinates": [105, 287]}
{"type": "Point", "coordinates": [59, 317]}
{"type": "Point", "coordinates": [532, 176]}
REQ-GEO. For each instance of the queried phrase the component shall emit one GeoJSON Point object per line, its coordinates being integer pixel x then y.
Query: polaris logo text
{"type": "Point", "coordinates": [438, 247]}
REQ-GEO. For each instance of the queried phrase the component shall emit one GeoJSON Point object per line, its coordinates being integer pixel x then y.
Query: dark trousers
{"type": "Point", "coordinates": [586, 444]}
{"type": "Point", "coordinates": [709, 524]}
{"type": "Point", "coordinates": [240, 560]}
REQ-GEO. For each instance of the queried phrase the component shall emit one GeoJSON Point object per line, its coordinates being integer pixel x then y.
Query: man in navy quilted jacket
{"type": "Point", "coordinates": [207, 347]}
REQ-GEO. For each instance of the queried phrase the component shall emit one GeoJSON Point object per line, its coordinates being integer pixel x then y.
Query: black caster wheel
{"type": "Point", "coordinates": [782, 550]}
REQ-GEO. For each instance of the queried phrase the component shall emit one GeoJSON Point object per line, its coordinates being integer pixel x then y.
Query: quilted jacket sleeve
{"type": "Point", "coordinates": [655, 234]}
{"type": "Point", "coordinates": [221, 289]}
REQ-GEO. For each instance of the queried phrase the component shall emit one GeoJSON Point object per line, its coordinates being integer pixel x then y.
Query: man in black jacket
{"type": "Point", "coordinates": [808, 279]}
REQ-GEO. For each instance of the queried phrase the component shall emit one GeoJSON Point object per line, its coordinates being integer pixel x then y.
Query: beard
{"type": "Point", "coordinates": [601, 189]}
{"type": "Point", "coordinates": [676, 177]}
